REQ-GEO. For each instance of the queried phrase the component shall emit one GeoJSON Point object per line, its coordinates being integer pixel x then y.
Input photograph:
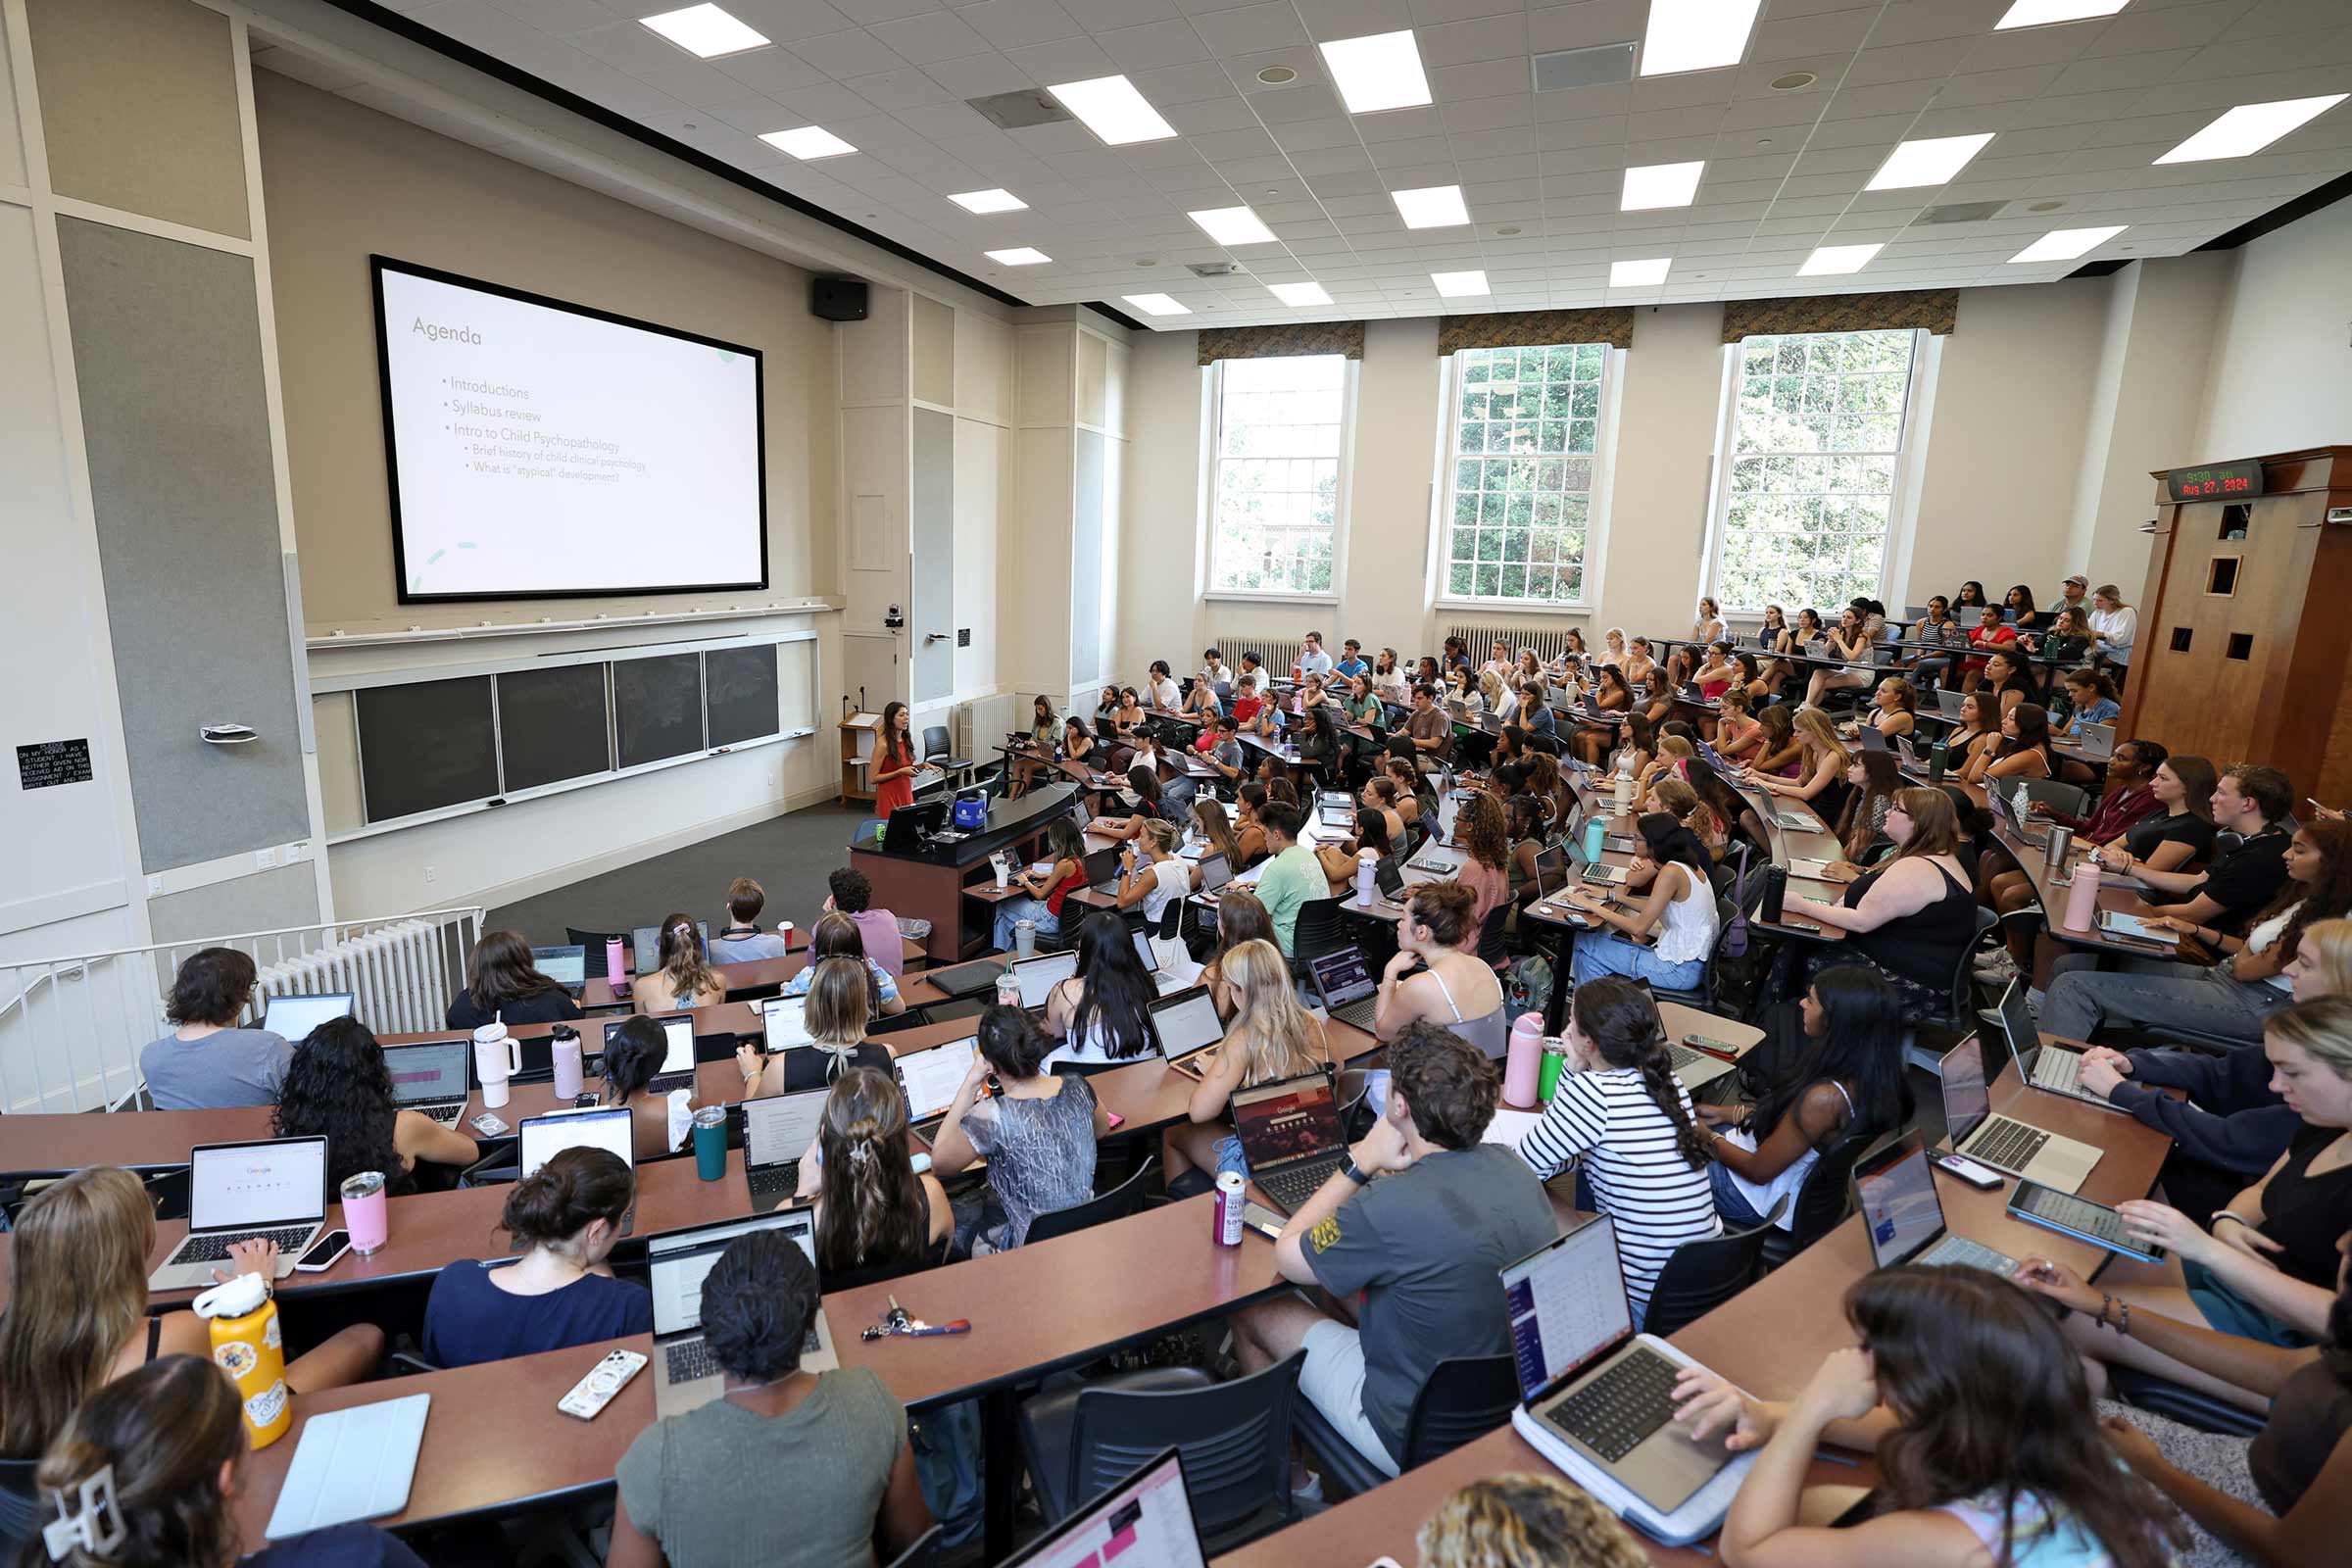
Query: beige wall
{"type": "Point", "coordinates": [2282, 374]}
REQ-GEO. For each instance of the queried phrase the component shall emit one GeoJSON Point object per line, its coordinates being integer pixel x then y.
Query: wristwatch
{"type": "Point", "coordinates": [1355, 1172]}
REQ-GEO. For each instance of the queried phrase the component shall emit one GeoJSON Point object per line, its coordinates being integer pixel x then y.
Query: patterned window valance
{"type": "Point", "coordinates": [1512, 330]}
{"type": "Point", "coordinates": [1931, 308]}
{"type": "Point", "coordinates": [1282, 342]}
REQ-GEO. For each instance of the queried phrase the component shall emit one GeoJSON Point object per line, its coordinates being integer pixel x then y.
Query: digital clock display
{"type": "Point", "coordinates": [2216, 481]}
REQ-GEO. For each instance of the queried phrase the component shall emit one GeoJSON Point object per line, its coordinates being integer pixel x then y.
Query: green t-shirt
{"type": "Point", "coordinates": [1290, 879]}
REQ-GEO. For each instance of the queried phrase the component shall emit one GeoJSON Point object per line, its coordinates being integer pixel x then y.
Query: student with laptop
{"type": "Point", "coordinates": [1142, 782]}
{"type": "Point", "coordinates": [1992, 1448]}
{"type": "Point", "coordinates": [2091, 700]}
{"type": "Point", "coordinates": [1482, 828]}
{"type": "Point", "coordinates": [1522, 1520]}
{"type": "Point", "coordinates": [1436, 975]}
{"type": "Point", "coordinates": [1271, 1038]}
{"type": "Point", "coordinates": [1292, 876]}
{"type": "Point", "coordinates": [209, 1061]}
{"type": "Point", "coordinates": [565, 1217]}
{"type": "Point", "coordinates": [502, 983]}
{"type": "Point", "coordinates": [787, 1467]}
{"type": "Point", "coordinates": [1038, 898]}
{"type": "Point", "coordinates": [838, 1010]}
{"type": "Point", "coordinates": [742, 941]}
{"type": "Point", "coordinates": [1419, 1219]}
{"type": "Point", "coordinates": [1241, 919]}
{"type": "Point", "coordinates": [78, 1319]}
{"type": "Point", "coordinates": [1337, 858]}
{"type": "Point", "coordinates": [2022, 751]}
{"type": "Point", "coordinates": [684, 978]}
{"type": "Point", "coordinates": [876, 1215]}
{"type": "Point", "coordinates": [1850, 641]}
{"type": "Point", "coordinates": [1037, 1131]}
{"type": "Point", "coordinates": [838, 936]}
{"type": "Point", "coordinates": [1911, 918]}
{"type": "Point", "coordinates": [1428, 729]}
{"type": "Point", "coordinates": [1103, 1012]}
{"type": "Point", "coordinates": [1152, 872]}
{"type": "Point", "coordinates": [1820, 778]}
{"type": "Point", "coordinates": [1667, 928]}
{"type": "Point", "coordinates": [338, 1086]}
{"type": "Point", "coordinates": [2248, 800]}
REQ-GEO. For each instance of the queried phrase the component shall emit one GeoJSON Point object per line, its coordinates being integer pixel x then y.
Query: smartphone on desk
{"type": "Point", "coordinates": [325, 1252]}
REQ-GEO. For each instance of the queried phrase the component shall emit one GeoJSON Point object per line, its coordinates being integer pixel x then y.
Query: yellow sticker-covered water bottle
{"type": "Point", "coordinates": [250, 1347]}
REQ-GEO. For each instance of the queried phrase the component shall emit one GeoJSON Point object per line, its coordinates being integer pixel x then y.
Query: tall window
{"type": "Point", "coordinates": [1281, 427]}
{"type": "Point", "coordinates": [1816, 455]}
{"type": "Point", "coordinates": [1526, 425]}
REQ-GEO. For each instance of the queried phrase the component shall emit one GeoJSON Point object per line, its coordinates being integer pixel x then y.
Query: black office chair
{"type": "Point", "coordinates": [500, 1167]}
{"type": "Point", "coordinates": [20, 1513]}
{"type": "Point", "coordinates": [924, 1553]}
{"type": "Point", "coordinates": [911, 1018]}
{"type": "Point", "coordinates": [1465, 1397]}
{"type": "Point", "coordinates": [2183, 1404]}
{"type": "Point", "coordinates": [1319, 929]}
{"type": "Point", "coordinates": [936, 749]}
{"type": "Point", "coordinates": [1119, 1202]}
{"type": "Point", "coordinates": [1960, 1016]}
{"type": "Point", "coordinates": [1235, 1438]}
{"type": "Point", "coordinates": [1822, 1198]}
{"type": "Point", "coordinates": [1701, 1276]}
{"type": "Point", "coordinates": [593, 942]}
{"type": "Point", "coordinates": [1490, 951]}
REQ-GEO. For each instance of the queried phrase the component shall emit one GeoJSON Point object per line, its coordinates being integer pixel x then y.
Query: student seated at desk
{"type": "Point", "coordinates": [154, 1464]}
{"type": "Point", "coordinates": [1388, 677]}
{"type": "Point", "coordinates": [1219, 744]}
{"type": "Point", "coordinates": [1991, 1449]}
{"type": "Point", "coordinates": [1428, 730]}
{"type": "Point", "coordinates": [1319, 743]}
{"type": "Point", "coordinates": [1078, 743]}
{"type": "Point", "coordinates": [338, 1086]}
{"type": "Point", "coordinates": [1850, 641]}
{"type": "Point", "coordinates": [877, 1216]}
{"type": "Point", "coordinates": [1413, 789]}
{"type": "Point", "coordinates": [2248, 800]}
{"type": "Point", "coordinates": [2113, 627]}
{"type": "Point", "coordinates": [1166, 695]}
{"type": "Point", "coordinates": [1292, 876]}
{"type": "Point", "coordinates": [2067, 640]}
{"type": "Point", "coordinates": [1247, 703]}
{"type": "Point", "coordinates": [838, 1010]}
{"type": "Point", "coordinates": [1669, 929]}
{"type": "Point", "coordinates": [1039, 1133]}
{"type": "Point", "coordinates": [1938, 632]}
{"type": "Point", "coordinates": [1436, 975]}
{"type": "Point", "coordinates": [2090, 700]}
{"type": "Point", "coordinates": [502, 984]}
{"type": "Point", "coordinates": [1044, 733]}
{"type": "Point", "coordinates": [1241, 920]}
{"type": "Point", "coordinates": [76, 1317]}
{"type": "Point", "coordinates": [1778, 751]}
{"type": "Point", "coordinates": [1143, 782]}
{"type": "Point", "coordinates": [1911, 918]}
{"type": "Point", "coordinates": [566, 1216]}
{"type": "Point", "coordinates": [1362, 703]}
{"type": "Point", "coordinates": [1201, 702]}
{"type": "Point", "coordinates": [2018, 607]}
{"type": "Point", "coordinates": [1523, 829]}
{"type": "Point", "coordinates": [1463, 687]}
{"type": "Point", "coordinates": [1989, 632]}
{"type": "Point", "coordinates": [1523, 1520]}
{"type": "Point", "coordinates": [1894, 708]}
{"type": "Point", "coordinates": [1611, 694]}
{"type": "Point", "coordinates": [1482, 827]}
{"type": "Point", "coordinates": [1820, 777]}
{"type": "Point", "coordinates": [2022, 752]}
{"type": "Point", "coordinates": [850, 892]}
{"type": "Point", "coordinates": [1151, 873]}
{"type": "Point", "coordinates": [1381, 794]}
{"type": "Point", "coordinates": [1338, 857]}
{"type": "Point", "coordinates": [1214, 669]}
{"type": "Point", "coordinates": [787, 1468]}
{"type": "Point", "coordinates": [684, 978]}
{"type": "Point", "coordinates": [742, 941]}
{"type": "Point", "coordinates": [2155, 805]}
{"type": "Point", "coordinates": [208, 1062]}
{"type": "Point", "coordinates": [1978, 730]}
{"type": "Point", "coordinates": [838, 936]}
{"type": "Point", "coordinates": [1836, 1076]}
{"type": "Point", "coordinates": [1738, 733]}
{"type": "Point", "coordinates": [1100, 1014]}
{"type": "Point", "coordinates": [2008, 681]}
{"type": "Point", "coordinates": [1271, 1038]}
{"type": "Point", "coordinates": [1718, 672]}
{"type": "Point", "coordinates": [1249, 836]}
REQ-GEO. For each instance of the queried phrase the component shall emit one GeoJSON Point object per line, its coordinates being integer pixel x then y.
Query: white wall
{"type": "Point", "coordinates": [2283, 359]}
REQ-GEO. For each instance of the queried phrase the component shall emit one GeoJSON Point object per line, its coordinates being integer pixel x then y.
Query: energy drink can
{"type": "Point", "coordinates": [1230, 1189]}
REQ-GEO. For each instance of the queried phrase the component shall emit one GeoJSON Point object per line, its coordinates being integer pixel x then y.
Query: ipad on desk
{"type": "Point", "coordinates": [351, 1465]}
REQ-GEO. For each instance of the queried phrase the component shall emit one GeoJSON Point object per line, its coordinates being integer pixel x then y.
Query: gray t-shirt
{"type": "Point", "coordinates": [226, 1068]}
{"type": "Point", "coordinates": [1040, 1153]}
{"type": "Point", "coordinates": [747, 950]}
{"type": "Point", "coordinates": [1427, 1246]}
{"type": "Point", "coordinates": [721, 1485]}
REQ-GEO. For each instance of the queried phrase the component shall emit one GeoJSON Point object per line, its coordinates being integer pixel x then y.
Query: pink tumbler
{"type": "Point", "coordinates": [365, 1214]}
{"type": "Point", "coordinates": [2081, 896]}
{"type": "Point", "coordinates": [613, 969]}
{"type": "Point", "coordinates": [1524, 1067]}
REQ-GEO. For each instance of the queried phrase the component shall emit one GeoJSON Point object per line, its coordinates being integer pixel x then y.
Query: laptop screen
{"type": "Point", "coordinates": [647, 939]}
{"type": "Point", "coordinates": [2018, 1022]}
{"type": "Point", "coordinates": [677, 1035]}
{"type": "Point", "coordinates": [1566, 1304]}
{"type": "Point", "coordinates": [1342, 977]}
{"type": "Point", "coordinates": [1552, 871]}
{"type": "Point", "coordinates": [1143, 951]}
{"type": "Point", "coordinates": [677, 1264]}
{"type": "Point", "coordinates": [1186, 1021]}
{"type": "Point", "coordinates": [1146, 1521]}
{"type": "Point", "coordinates": [291, 1018]}
{"type": "Point", "coordinates": [1216, 870]}
{"type": "Point", "coordinates": [782, 1021]}
{"type": "Point", "coordinates": [1039, 977]}
{"type": "Point", "coordinates": [1965, 1100]}
{"type": "Point", "coordinates": [1895, 1191]}
{"type": "Point", "coordinates": [276, 1181]}
{"type": "Point", "coordinates": [565, 966]}
{"type": "Point", "coordinates": [1293, 1119]}
{"type": "Point", "coordinates": [1085, 819]}
{"type": "Point", "coordinates": [931, 1076]}
{"type": "Point", "coordinates": [780, 1127]}
{"type": "Point", "coordinates": [427, 1076]}
{"type": "Point", "coordinates": [546, 1137]}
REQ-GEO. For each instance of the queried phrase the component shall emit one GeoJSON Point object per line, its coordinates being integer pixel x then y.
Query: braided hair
{"type": "Point", "coordinates": [1618, 1019]}
{"type": "Point", "coordinates": [871, 1210]}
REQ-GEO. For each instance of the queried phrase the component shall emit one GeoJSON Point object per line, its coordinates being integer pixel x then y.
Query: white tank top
{"type": "Point", "coordinates": [1688, 930]}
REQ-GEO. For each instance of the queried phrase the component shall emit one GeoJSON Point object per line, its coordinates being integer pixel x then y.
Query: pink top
{"type": "Point", "coordinates": [1492, 886]}
{"type": "Point", "coordinates": [880, 930]}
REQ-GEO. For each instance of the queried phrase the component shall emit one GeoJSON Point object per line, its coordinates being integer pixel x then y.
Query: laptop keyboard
{"type": "Point", "coordinates": [2010, 1145]}
{"type": "Point", "coordinates": [2057, 1069]}
{"type": "Point", "coordinates": [663, 1083]}
{"type": "Point", "coordinates": [1614, 1412]}
{"type": "Point", "coordinates": [214, 1249]}
{"type": "Point", "coordinates": [1958, 1251]}
{"type": "Point", "coordinates": [1684, 1056]}
{"type": "Point", "coordinates": [446, 1115]}
{"type": "Point", "coordinates": [1357, 1014]}
{"type": "Point", "coordinates": [1294, 1185]}
{"type": "Point", "coordinates": [689, 1361]}
{"type": "Point", "coordinates": [775, 1181]}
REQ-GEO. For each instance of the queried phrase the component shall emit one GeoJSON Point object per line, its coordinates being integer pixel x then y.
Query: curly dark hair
{"type": "Point", "coordinates": [757, 1302]}
{"type": "Point", "coordinates": [1484, 832]}
{"type": "Point", "coordinates": [337, 1085]}
{"type": "Point", "coordinates": [1449, 1084]}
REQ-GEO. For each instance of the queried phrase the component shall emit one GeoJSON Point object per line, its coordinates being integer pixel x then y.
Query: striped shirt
{"type": "Point", "coordinates": [1638, 1177]}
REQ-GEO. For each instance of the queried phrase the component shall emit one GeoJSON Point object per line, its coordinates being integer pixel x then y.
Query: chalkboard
{"type": "Point", "coordinates": [426, 745]}
{"type": "Point", "coordinates": [739, 692]}
{"type": "Point", "coordinates": [658, 706]}
{"type": "Point", "coordinates": [550, 724]}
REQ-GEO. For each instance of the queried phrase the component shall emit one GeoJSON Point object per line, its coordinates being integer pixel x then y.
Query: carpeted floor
{"type": "Point", "coordinates": [790, 856]}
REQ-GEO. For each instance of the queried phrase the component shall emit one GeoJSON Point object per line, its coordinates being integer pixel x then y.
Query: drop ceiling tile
{"type": "Point", "coordinates": [1014, 23]}
{"type": "Point", "coordinates": [1316, 136]}
{"type": "Point", "coordinates": [1581, 27]}
{"type": "Point", "coordinates": [770, 70]}
{"type": "Point", "coordinates": [1489, 79]}
{"type": "Point", "coordinates": [1062, 59]}
{"type": "Point", "coordinates": [1249, 29]}
{"type": "Point", "coordinates": [1156, 43]}
{"type": "Point", "coordinates": [866, 13]}
{"type": "Point", "coordinates": [1178, 84]}
{"type": "Point", "coordinates": [1502, 36]}
{"type": "Point", "coordinates": [1229, 112]}
{"type": "Point", "coordinates": [1610, 100]}
{"type": "Point", "coordinates": [1302, 102]}
{"type": "Point", "coordinates": [1102, 15]}
{"type": "Point", "coordinates": [979, 76]}
{"type": "Point", "coordinates": [903, 88]}
{"type": "Point", "coordinates": [781, 20]}
{"type": "Point", "coordinates": [826, 101]}
{"type": "Point", "coordinates": [1488, 113]}
{"type": "Point", "coordinates": [926, 39]}
{"type": "Point", "coordinates": [1355, 19]}
{"type": "Point", "coordinates": [946, 123]}
{"type": "Point", "coordinates": [1472, 147]}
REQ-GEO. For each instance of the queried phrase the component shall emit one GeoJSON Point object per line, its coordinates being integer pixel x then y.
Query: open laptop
{"type": "Point", "coordinates": [292, 1018]}
{"type": "Point", "coordinates": [1335, 810]}
{"type": "Point", "coordinates": [677, 1057]}
{"type": "Point", "coordinates": [1291, 1134]}
{"type": "Point", "coordinates": [676, 1264]}
{"type": "Point", "coordinates": [263, 1189]}
{"type": "Point", "coordinates": [1143, 1521]}
{"type": "Point", "coordinates": [2098, 742]}
{"type": "Point", "coordinates": [1593, 870]}
{"type": "Point", "coordinates": [1343, 979]}
{"type": "Point", "coordinates": [431, 1078]}
{"type": "Point", "coordinates": [1902, 1214]}
{"type": "Point", "coordinates": [2053, 1068]}
{"type": "Point", "coordinates": [930, 1077]}
{"type": "Point", "coordinates": [777, 1130]}
{"type": "Point", "coordinates": [647, 941]}
{"type": "Point", "coordinates": [1186, 1024]}
{"type": "Point", "coordinates": [1038, 976]}
{"type": "Point", "coordinates": [1598, 1399]}
{"type": "Point", "coordinates": [2017, 1147]}
{"type": "Point", "coordinates": [541, 1139]}
{"type": "Point", "coordinates": [783, 1024]}
{"type": "Point", "coordinates": [1216, 870]}
{"type": "Point", "coordinates": [567, 966]}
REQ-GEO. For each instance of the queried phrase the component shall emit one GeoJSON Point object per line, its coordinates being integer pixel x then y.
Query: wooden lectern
{"type": "Point", "coordinates": [2244, 646]}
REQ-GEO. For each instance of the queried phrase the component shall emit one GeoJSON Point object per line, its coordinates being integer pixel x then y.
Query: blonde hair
{"type": "Point", "coordinates": [683, 960]}
{"type": "Point", "coordinates": [1671, 793]}
{"type": "Point", "coordinates": [1674, 745]}
{"type": "Point", "coordinates": [1814, 723]}
{"type": "Point", "coordinates": [77, 1289]}
{"type": "Point", "coordinates": [1489, 686]}
{"type": "Point", "coordinates": [1522, 1520]}
{"type": "Point", "coordinates": [2321, 1028]}
{"type": "Point", "coordinates": [1160, 833]}
{"type": "Point", "coordinates": [1215, 826]}
{"type": "Point", "coordinates": [1266, 1011]}
{"type": "Point", "coordinates": [840, 1001]}
{"type": "Point", "coordinates": [2326, 947]}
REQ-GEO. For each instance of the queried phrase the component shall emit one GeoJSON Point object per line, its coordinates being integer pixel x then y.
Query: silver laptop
{"type": "Point", "coordinates": [677, 1059]}
{"type": "Point", "coordinates": [2098, 742]}
{"type": "Point", "coordinates": [431, 1078]}
{"type": "Point", "coordinates": [2054, 1069]}
{"type": "Point", "coordinates": [1216, 870]}
{"type": "Point", "coordinates": [1345, 981]}
{"type": "Point", "coordinates": [1163, 981]}
{"type": "Point", "coordinates": [930, 1077]}
{"type": "Point", "coordinates": [567, 966]}
{"type": "Point", "coordinates": [1186, 1024]}
{"type": "Point", "coordinates": [1947, 701]}
{"type": "Point", "coordinates": [676, 1264]}
{"type": "Point", "coordinates": [292, 1018]}
{"type": "Point", "coordinates": [541, 1139]}
{"type": "Point", "coordinates": [2017, 1147]}
{"type": "Point", "coordinates": [1038, 976]}
{"type": "Point", "coordinates": [265, 1189]}
{"type": "Point", "coordinates": [1902, 1213]}
{"type": "Point", "coordinates": [777, 1130]}
{"type": "Point", "coordinates": [1593, 870]}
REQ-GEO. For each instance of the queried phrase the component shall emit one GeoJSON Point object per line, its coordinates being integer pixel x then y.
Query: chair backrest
{"type": "Point", "coordinates": [1120, 1201]}
{"type": "Point", "coordinates": [593, 942]}
{"type": "Point", "coordinates": [1234, 1439]}
{"type": "Point", "coordinates": [20, 1505]}
{"type": "Point", "coordinates": [1822, 1196]}
{"type": "Point", "coordinates": [1489, 933]}
{"type": "Point", "coordinates": [1317, 930]}
{"type": "Point", "coordinates": [1465, 1397]}
{"type": "Point", "coordinates": [935, 740]}
{"type": "Point", "coordinates": [1700, 1276]}
{"type": "Point", "coordinates": [1962, 979]}
{"type": "Point", "coordinates": [924, 1553]}
{"type": "Point", "coordinates": [1171, 920]}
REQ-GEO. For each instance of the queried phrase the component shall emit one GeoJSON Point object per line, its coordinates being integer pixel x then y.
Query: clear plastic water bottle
{"type": "Point", "coordinates": [1008, 989]}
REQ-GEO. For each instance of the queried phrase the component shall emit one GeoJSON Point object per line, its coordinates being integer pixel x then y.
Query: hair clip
{"type": "Point", "coordinates": [96, 1526]}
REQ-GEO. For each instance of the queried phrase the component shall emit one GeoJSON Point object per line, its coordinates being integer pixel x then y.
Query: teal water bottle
{"type": "Point", "coordinates": [1595, 831]}
{"type": "Point", "coordinates": [1935, 757]}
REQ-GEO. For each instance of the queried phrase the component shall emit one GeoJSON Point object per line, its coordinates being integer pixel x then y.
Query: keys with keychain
{"type": "Point", "coordinates": [897, 1321]}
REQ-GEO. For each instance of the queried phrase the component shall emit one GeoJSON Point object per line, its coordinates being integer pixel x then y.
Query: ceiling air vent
{"type": "Point", "coordinates": [1015, 111]}
{"type": "Point", "coordinates": [1960, 212]}
{"type": "Point", "coordinates": [1216, 269]}
{"type": "Point", "coordinates": [1585, 68]}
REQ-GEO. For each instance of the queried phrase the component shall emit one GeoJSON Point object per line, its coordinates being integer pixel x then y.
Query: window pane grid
{"type": "Point", "coordinates": [1280, 431]}
{"type": "Point", "coordinates": [1525, 430]}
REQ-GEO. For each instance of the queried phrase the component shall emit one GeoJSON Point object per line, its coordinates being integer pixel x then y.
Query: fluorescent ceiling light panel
{"type": "Point", "coordinates": [1639, 274]}
{"type": "Point", "coordinates": [1300, 293]}
{"type": "Point", "coordinates": [1114, 109]}
{"type": "Point", "coordinates": [1456, 285]}
{"type": "Point", "coordinates": [706, 30]}
{"type": "Point", "coordinates": [998, 200]}
{"type": "Point", "coordinates": [1661, 185]}
{"type": "Point", "coordinates": [2065, 244]}
{"type": "Point", "coordinates": [1431, 206]}
{"type": "Point", "coordinates": [1831, 259]}
{"type": "Point", "coordinates": [2042, 13]}
{"type": "Point", "coordinates": [1233, 225]}
{"type": "Point", "coordinates": [1933, 161]}
{"type": "Point", "coordinates": [1022, 256]}
{"type": "Point", "coordinates": [1157, 305]}
{"type": "Point", "coordinates": [1381, 72]}
{"type": "Point", "coordinates": [807, 142]}
{"type": "Point", "coordinates": [1697, 35]}
{"type": "Point", "coordinates": [2250, 128]}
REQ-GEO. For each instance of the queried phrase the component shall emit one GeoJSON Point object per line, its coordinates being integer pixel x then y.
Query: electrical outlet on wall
{"type": "Point", "coordinates": [264, 860]}
{"type": "Point", "coordinates": [431, 875]}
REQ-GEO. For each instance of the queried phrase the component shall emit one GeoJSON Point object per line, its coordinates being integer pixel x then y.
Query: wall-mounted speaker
{"type": "Point", "coordinates": [837, 299]}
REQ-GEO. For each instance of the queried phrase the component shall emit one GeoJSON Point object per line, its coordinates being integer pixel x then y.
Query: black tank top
{"type": "Point", "coordinates": [1925, 946]}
